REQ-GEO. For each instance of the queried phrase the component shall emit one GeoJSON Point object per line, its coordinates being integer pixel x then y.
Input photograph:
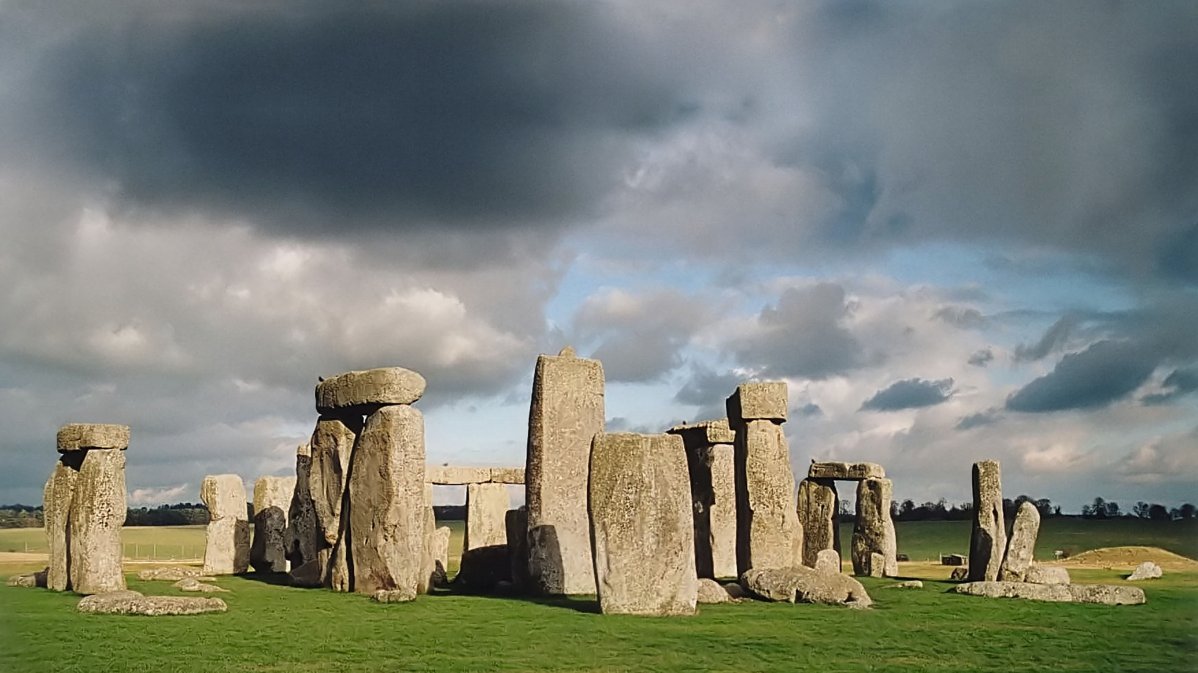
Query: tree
{"type": "Point", "coordinates": [1044, 506]}
{"type": "Point", "coordinates": [1112, 509]}
{"type": "Point", "coordinates": [1158, 512]}
{"type": "Point", "coordinates": [1140, 510]}
{"type": "Point", "coordinates": [1187, 511]}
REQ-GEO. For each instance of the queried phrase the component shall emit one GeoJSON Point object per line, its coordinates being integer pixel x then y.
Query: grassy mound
{"type": "Point", "coordinates": [1109, 557]}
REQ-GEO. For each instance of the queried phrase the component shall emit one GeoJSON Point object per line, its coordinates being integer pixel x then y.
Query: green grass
{"type": "Point", "coordinates": [279, 628]}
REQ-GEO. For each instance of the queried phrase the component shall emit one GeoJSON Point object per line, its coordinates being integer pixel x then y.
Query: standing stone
{"type": "Point", "coordinates": [988, 539]}
{"type": "Point", "coordinates": [486, 509]}
{"type": "Point", "coordinates": [440, 554]}
{"type": "Point", "coordinates": [56, 512]}
{"type": "Point", "coordinates": [827, 561]}
{"type": "Point", "coordinates": [874, 545]}
{"type": "Point", "coordinates": [640, 512]}
{"type": "Point", "coordinates": [386, 502]}
{"type": "Point", "coordinates": [227, 547]}
{"type": "Point", "coordinates": [332, 448]}
{"type": "Point", "coordinates": [711, 462]}
{"type": "Point", "coordinates": [516, 523]}
{"type": "Point", "coordinates": [1022, 544]}
{"type": "Point", "coordinates": [768, 533]}
{"type": "Point", "coordinates": [304, 539]}
{"type": "Point", "coordinates": [272, 499]}
{"type": "Point", "coordinates": [567, 411]}
{"type": "Point", "coordinates": [97, 514]}
{"type": "Point", "coordinates": [817, 510]}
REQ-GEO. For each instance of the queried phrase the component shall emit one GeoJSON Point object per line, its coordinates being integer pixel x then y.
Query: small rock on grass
{"type": "Point", "coordinates": [127, 602]}
{"type": "Point", "coordinates": [909, 584]}
{"type": "Point", "coordinates": [193, 584]}
{"type": "Point", "coordinates": [393, 596]}
{"type": "Point", "coordinates": [1145, 571]}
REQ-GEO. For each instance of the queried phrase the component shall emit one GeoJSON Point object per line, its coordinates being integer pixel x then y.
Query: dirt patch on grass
{"type": "Point", "coordinates": [1114, 557]}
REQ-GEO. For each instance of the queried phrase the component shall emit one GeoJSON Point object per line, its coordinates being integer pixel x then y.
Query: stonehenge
{"type": "Point", "coordinates": [566, 412]}
{"type": "Point", "coordinates": [710, 458]}
{"type": "Point", "coordinates": [874, 547]}
{"type": "Point", "coordinates": [272, 500]}
{"type": "Point", "coordinates": [84, 506]}
{"type": "Point", "coordinates": [227, 545]}
{"type": "Point", "coordinates": [1021, 544]}
{"type": "Point", "coordinates": [988, 537]}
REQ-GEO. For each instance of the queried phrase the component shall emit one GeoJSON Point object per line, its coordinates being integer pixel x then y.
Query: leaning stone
{"type": "Point", "coordinates": [449, 475]}
{"type": "Point", "coordinates": [1145, 571]}
{"type": "Point", "coordinates": [566, 412]}
{"type": "Point", "coordinates": [193, 584]}
{"type": "Point", "coordinates": [988, 538]}
{"type": "Point", "coordinates": [765, 401]}
{"type": "Point", "coordinates": [1021, 545]}
{"type": "Point", "coordinates": [827, 561]}
{"type": "Point", "coordinates": [171, 573]}
{"type": "Point", "coordinates": [845, 471]}
{"type": "Point", "coordinates": [710, 591]}
{"type": "Point", "coordinates": [56, 514]}
{"type": "Point", "coordinates": [800, 584]}
{"type": "Point", "coordinates": [133, 603]}
{"type": "Point", "coordinates": [768, 533]}
{"type": "Point", "coordinates": [507, 475]}
{"type": "Point", "coordinates": [1041, 574]}
{"type": "Point", "coordinates": [97, 514]}
{"type": "Point", "coordinates": [874, 550]}
{"type": "Point", "coordinates": [332, 446]}
{"type": "Point", "coordinates": [1105, 594]}
{"type": "Point", "coordinates": [393, 596]}
{"type": "Point", "coordinates": [366, 391]}
{"type": "Point", "coordinates": [82, 436]}
{"type": "Point", "coordinates": [909, 584]}
{"type": "Point", "coordinates": [386, 502]}
{"type": "Point", "coordinates": [304, 537]}
{"type": "Point", "coordinates": [640, 509]}
{"type": "Point", "coordinates": [817, 511]}
{"type": "Point", "coordinates": [272, 499]}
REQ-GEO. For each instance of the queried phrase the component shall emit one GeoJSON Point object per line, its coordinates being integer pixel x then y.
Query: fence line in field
{"type": "Point", "coordinates": [152, 551]}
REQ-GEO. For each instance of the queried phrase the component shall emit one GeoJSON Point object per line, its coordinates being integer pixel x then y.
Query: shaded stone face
{"type": "Point", "coordinates": [83, 436]}
{"type": "Point", "coordinates": [711, 463]}
{"type": "Point", "coordinates": [56, 512]}
{"type": "Point", "coordinates": [304, 539]}
{"type": "Point", "coordinates": [1022, 544]}
{"type": "Point", "coordinates": [428, 562]}
{"type": "Point", "coordinates": [332, 446]}
{"type": "Point", "coordinates": [386, 502]}
{"type": "Point", "coordinates": [846, 471]}
{"type": "Point", "coordinates": [874, 547]}
{"type": "Point", "coordinates": [272, 499]}
{"type": "Point", "coordinates": [817, 511]}
{"type": "Point", "coordinates": [768, 530]}
{"type": "Point", "coordinates": [766, 400]}
{"type": "Point", "coordinates": [227, 543]}
{"type": "Point", "coordinates": [567, 411]}
{"type": "Point", "coordinates": [516, 523]}
{"type": "Point", "coordinates": [988, 538]}
{"type": "Point", "coordinates": [640, 512]}
{"type": "Point", "coordinates": [97, 514]}
{"type": "Point", "coordinates": [365, 391]}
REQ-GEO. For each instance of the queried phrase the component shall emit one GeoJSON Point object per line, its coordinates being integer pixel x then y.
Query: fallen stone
{"type": "Point", "coordinates": [97, 514]}
{"type": "Point", "coordinates": [711, 592]}
{"type": "Point", "coordinates": [765, 401]}
{"type": "Point", "coordinates": [134, 603]}
{"type": "Point", "coordinates": [845, 471]}
{"type": "Point", "coordinates": [566, 412]}
{"type": "Point", "coordinates": [909, 584]}
{"type": "Point", "coordinates": [82, 436]}
{"type": "Point", "coordinates": [640, 510]}
{"type": "Point", "coordinates": [393, 596]}
{"type": "Point", "coordinates": [735, 591]}
{"type": "Point", "coordinates": [194, 584]}
{"type": "Point", "coordinates": [817, 512]}
{"type": "Point", "coordinates": [874, 547]}
{"type": "Point", "coordinates": [1021, 543]}
{"type": "Point", "coordinates": [30, 580]}
{"type": "Point", "coordinates": [365, 391]}
{"type": "Point", "coordinates": [56, 512]}
{"type": "Point", "coordinates": [1105, 594]}
{"type": "Point", "coordinates": [1145, 571]}
{"type": "Point", "coordinates": [1041, 574]}
{"type": "Point", "coordinates": [172, 573]}
{"type": "Point", "coordinates": [800, 584]}
{"type": "Point", "coordinates": [988, 537]}
{"type": "Point", "coordinates": [827, 561]}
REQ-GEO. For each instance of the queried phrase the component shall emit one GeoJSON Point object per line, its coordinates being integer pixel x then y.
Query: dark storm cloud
{"type": "Point", "coordinates": [303, 115]}
{"type": "Point", "coordinates": [910, 394]}
{"type": "Point", "coordinates": [1053, 340]}
{"type": "Point", "coordinates": [1102, 373]}
{"type": "Point", "coordinates": [803, 335]}
{"type": "Point", "coordinates": [1179, 383]}
{"type": "Point", "coordinates": [639, 337]}
{"type": "Point", "coordinates": [706, 387]}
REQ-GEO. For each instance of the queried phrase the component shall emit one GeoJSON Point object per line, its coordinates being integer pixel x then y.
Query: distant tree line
{"type": "Point", "coordinates": [1105, 509]}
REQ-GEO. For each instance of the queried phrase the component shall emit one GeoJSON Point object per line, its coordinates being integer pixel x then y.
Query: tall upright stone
{"type": "Point", "coordinates": [97, 505]}
{"type": "Point", "coordinates": [486, 507]}
{"type": "Point", "coordinates": [516, 522]}
{"type": "Point", "coordinates": [227, 544]}
{"type": "Point", "coordinates": [874, 542]}
{"type": "Point", "coordinates": [56, 514]}
{"type": "Point", "coordinates": [640, 513]}
{"type": "Point", "coordinates": [332, 447]}
{"type": "Point", "coordinates": [988, 538]}
{"type": "Point", "coordinates": [768, 533]}
{"type": "Point", "coordinates": [817, 511]}
{"type": "Point", "coordinates": [567, 411]}
{"type": "Point", "coordinates": [272, 500]}
{"type": "Point", "coordinates": [304, 539]}
{"type": "Point", "coordinates": [386, 502]}
{"type": "Point", "coordinates": [428, 558]}
{"type": "Point", "coordinates": [1022, 545]}
{"type": "Point", "coordinates": [711, 463]}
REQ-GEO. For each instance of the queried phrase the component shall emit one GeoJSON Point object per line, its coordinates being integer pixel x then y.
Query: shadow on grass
{"type": "Point", "coordinates": [274, 579]}
{"type": "Point", "coordinates": [584, 604]}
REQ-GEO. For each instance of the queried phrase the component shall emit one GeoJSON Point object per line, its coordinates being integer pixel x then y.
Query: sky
{"type": "Point", "coordinates": [957, 230]}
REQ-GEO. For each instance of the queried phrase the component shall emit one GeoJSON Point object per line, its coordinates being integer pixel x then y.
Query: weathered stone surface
{"type": "Point", "coordinates": [640, 512]}
{"type": "Point", "coordinates": [304, 537]}
{"type": "Point", "coordinates": [712, 469]}
{"type": "Point", "coordinates": [845, 471]}
{"type": "Point", "coordinates": [486, 508]}
{"type": "Point", "coordinates": [365, 391]}
{"type": "Point", "coordinates": [953, 559]}
{"type": "Point", "coordinates": [800, 584]}
{"type": "Point", "coordinates": [1021, 544]}
{"type": "Point", "coordinates": [1042, 574]}
{"type": "Point", "coordinates": [710, 591]}
{"type": "Point", "coordinates": [393, 596]}
{"type": "Point", "coordinates": [194, 584]}
{"type": "Point", "coordinates": [735, 591]}
{"type": "Point", "coordinates": [817, 511]}
{"type": "Point", "coordinates": [171, 573]}
{"type": "Point", "coordinates": [516, 524]}
{"type": "Point", "coordinates": [827, 561]}
{"type": "Point", "coordinates": [909, 584]}
{"type": "Point", "coordinates": [307, 575]}
{"type": "Point", "coordinates": [97, 514]}
{"type": "Point", "coordinates": [82, 436]}
{"type": "Point", "coordinates": [567, 411]}
{"type": "Point", "coordinates": [1105, 594]}
{"type": "Point", "coordinates": [1145, 571]}
{"type": "Point", "coordinates": [227, 547]}
{"type": "Point", "coordinates": [507, 475]}
{"type": "Point", "coordinates": [386, 502]}
{"type": "Point", "coordinates": [768, 533]}
{"type": "Point", "coordinates": [440, 554]}
{"type": "Point", "coordinates": [224, 496]}
{"type": "Point", "coordinates": [988, 538]}
{"type": "Point", "coordinates": [56, 511]}
{"type": "Point", "coordinates": [450, 475]}
{"type": "Point", "coordinates": [873, 532]}
{"type": "Point", "coordinates": [765, 400]}
{"type": "Point", "coordinates": [428, 562]}
{"type": "Point", "coordinates": [959, 574]}
{"type": "Point", "coordinates": [134, 603]}
{"type": "Point", "coordinates": [332, 447]}
{"type": "Point", "coordinates": [272, 499]}
{"type": "Point", "coordinates": [28, 580]}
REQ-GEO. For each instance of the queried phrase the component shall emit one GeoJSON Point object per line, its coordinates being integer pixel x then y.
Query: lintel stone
{"type": "Point", "coordinates": [846, 471]}
{"type": "Point", "coordinates": [765, 400]}
{"type": "Point", "coordinates": [369, 389]}
{"type": "Point", "coordinates": [80, 436]}
{"type": "Point", "coordinates": [712, 432]}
